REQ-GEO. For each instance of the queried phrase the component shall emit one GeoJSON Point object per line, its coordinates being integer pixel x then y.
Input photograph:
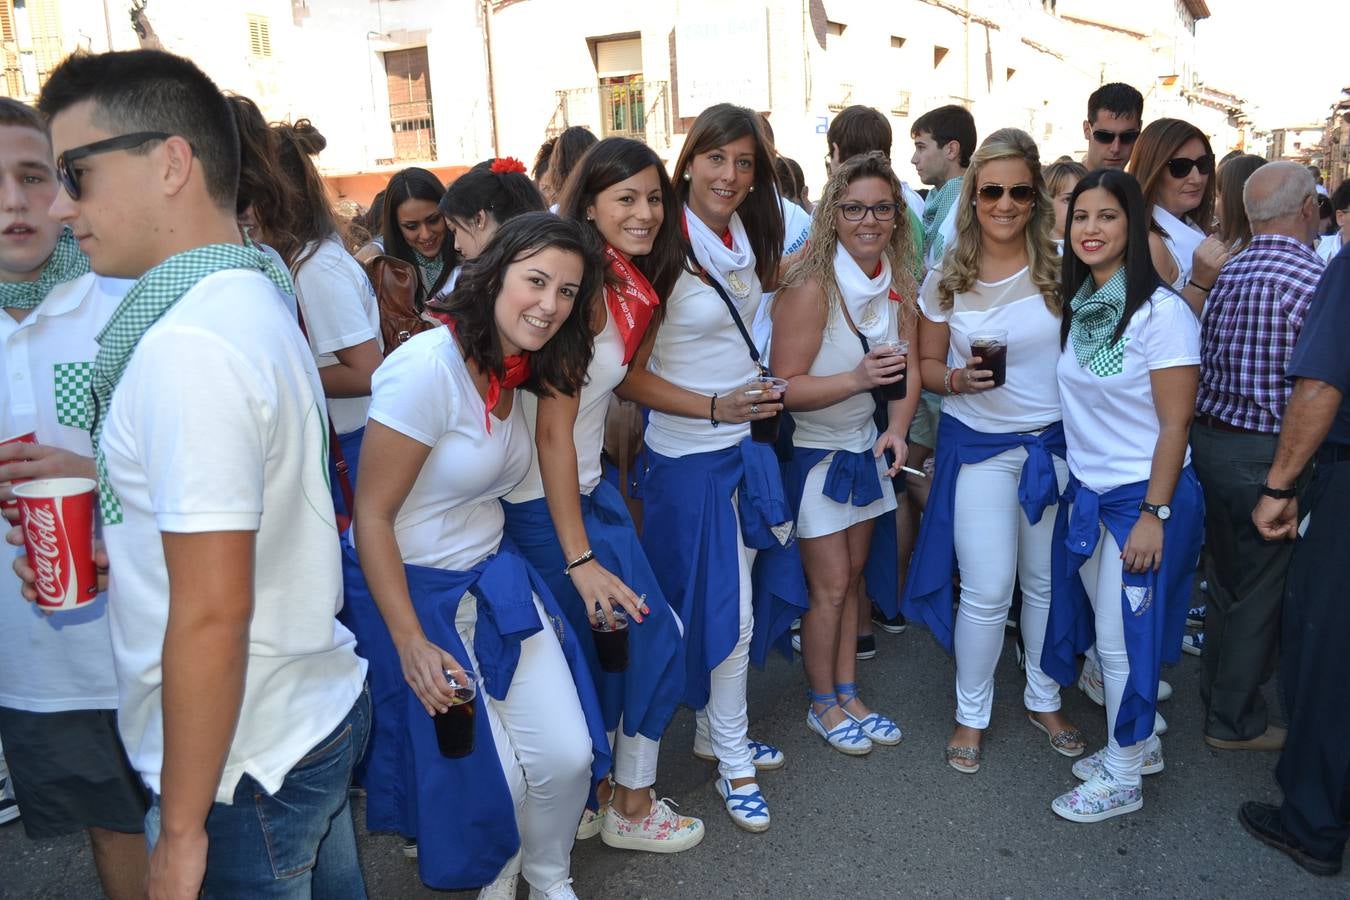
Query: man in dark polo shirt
{"type": "Point", "coordinates": [1313, 823]}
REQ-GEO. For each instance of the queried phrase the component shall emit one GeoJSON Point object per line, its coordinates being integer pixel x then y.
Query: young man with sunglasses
{"type": "Point", "coordinates": [58, 692]}
{"type": "Point", "coordinates": [241, 698]}
{"type": "Point", "coordinates": [1115, 116]}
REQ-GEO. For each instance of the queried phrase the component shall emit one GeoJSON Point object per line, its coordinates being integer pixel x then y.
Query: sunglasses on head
{"type": "Point", "coordinates": [70, 179]}
{"type": "Point", "coordinates": [1102, 136]}
{"type": "Point", "coordinates": [1020, 193]}
{"type": "Point", "coordinates": [1180, 166]}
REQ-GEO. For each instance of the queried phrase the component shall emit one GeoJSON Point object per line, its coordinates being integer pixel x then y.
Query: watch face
{"type": "Point", "coordinates": [1164, 512]}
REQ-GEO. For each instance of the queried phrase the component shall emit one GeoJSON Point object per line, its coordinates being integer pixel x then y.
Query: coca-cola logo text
{"type": "Point", "coordinates": [45, 556]}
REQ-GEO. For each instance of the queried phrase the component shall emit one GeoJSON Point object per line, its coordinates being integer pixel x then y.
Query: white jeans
{"type": "Point", "coordinates": [725, 722]}
{"type": "Point", "coordinates": [545, 750]}
{"type": "Point", "coordinates": [634, 759]}
{"type": "Point", "coordinates": [995, 545]}
{"type": "Point", "coordinates": [1101, 576]}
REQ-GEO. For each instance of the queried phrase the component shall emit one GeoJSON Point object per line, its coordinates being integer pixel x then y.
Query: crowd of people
{"type": "Point", "coordinates": [458, 502]}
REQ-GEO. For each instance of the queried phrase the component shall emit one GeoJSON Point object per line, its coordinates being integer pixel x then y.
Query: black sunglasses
{"type": "Point", "coordinates": [1020, 193]}
{"type": "Point", "coordinates": [856, 212]}
{"type": "Point", "coordinates": [1180, 166]}
{"type": "Point", "coordinates": [71, 181]}
{"type": "Point", "coordinates": [1102, 136]}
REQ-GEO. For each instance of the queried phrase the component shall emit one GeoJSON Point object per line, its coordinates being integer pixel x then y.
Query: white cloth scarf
{"type": "Point", "coordinates": [1182, 239]}
{"type": "Point", "coordinates": [866, 299]}
{"type": "Point", "coordinates": [732, 267]}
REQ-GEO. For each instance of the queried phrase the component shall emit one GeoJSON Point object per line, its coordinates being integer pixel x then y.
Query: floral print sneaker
{"type": "Point", "coordinates": [1087, 767]}
{"type": "Point", "coordinates": [1099, 798]}
{"type": "Point", "coordinates": [662, 831]}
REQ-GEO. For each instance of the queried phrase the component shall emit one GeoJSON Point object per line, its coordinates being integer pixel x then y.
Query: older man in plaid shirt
{"type": "Point", "coordinates": [1252, 320]}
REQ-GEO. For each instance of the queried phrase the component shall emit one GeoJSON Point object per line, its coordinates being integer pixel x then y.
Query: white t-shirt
{"type": "Point", "coordinates": [452, 517]}
{"type": "Point", "coordinates": [218, 425]}
{"type": "Point", "coordinates": [63, 661]}
{"type": "Point", "coordinates": [699, 348]}
{"type": "Point", "coordinates": [1029, 399]}
{"type": "Point", "coordinates": [1111, 424]}
{"type": "Point", "coordinates": [340, 311]}
{"type": "Point", "coordinates": [588, 434]}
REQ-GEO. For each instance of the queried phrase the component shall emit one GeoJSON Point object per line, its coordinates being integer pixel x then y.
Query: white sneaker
{"type": "Point", "coordinates": [1090, 681]}
{"type": "Point", "coordinates": [560, 891]}
{"type": "Point", "coordinates": [1098, 799]}
{"type": "Point", "coordinates": [504, 888]}
{"type": "Point", "coordinates": [1164, 691]}
{"type": "Point", "coordinates": [1159, 723]}
{"type": "Point", "coordinates": [662, 831]}
{"type": "Point", "coordinates": [1089, 766]}
{"type": "Point", "coordinates": [589, 826]}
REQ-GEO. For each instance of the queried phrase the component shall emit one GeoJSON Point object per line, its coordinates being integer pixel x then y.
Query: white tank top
{"type": "Point", "coordinates": [603, 376]}
{"type": "Point", "coordinates": [699, 348]}
{"type": "Point", "coordinates": [846, 425]}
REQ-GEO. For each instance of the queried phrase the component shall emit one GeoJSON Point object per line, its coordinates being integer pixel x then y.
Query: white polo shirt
{"type": "Point", "coordinates": [63, 661]}
{"type": "Point", "coordinates": [218, 425]}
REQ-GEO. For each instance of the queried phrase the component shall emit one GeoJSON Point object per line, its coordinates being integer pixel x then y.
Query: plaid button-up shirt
{"type": "Point", "coordinates": [1251, 323]}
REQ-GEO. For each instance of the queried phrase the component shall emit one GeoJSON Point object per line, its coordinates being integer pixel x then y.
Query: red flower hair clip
{"type": "Point", "coordinates": [503, 165]}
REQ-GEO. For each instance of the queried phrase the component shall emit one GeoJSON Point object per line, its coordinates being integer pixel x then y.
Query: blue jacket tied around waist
{"type": "Point", "coordinates": [1153, 604]}
{"type": "Point", "coordinates": [928, 587]}
{"type": "Point", "coordinates": [410, 787]}
{"type": "Point", "coordinates": [690, 539]}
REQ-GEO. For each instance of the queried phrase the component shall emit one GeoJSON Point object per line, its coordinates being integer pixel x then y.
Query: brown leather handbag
{"type": "Point", "coordinates": [395, 283]}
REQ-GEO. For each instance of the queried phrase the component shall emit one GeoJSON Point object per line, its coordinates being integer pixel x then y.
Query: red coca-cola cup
{"type": "Point", "coordinates": [58, 532]}
{"type": "Point", "coordinates": [29, 438]}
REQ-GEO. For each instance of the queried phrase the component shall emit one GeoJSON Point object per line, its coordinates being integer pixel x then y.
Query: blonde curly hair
{"type": "Point", "coordinates": [816, 262]}
{"type": "Point", "coordinates": [961, 264]}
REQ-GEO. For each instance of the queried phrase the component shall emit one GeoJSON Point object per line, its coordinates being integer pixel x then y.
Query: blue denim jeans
{"type": "Point", "coordinates": [298, 842]}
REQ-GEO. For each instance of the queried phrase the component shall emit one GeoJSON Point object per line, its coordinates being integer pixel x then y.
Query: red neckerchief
{"type": "Point", "coordinates": [517, 373]}
{"type": "Point", "coordinates": [891, 295]}
{"type": "Point", "coordinates": [632, 302]}
{"type": "Point", "coordinates": [726, 235]}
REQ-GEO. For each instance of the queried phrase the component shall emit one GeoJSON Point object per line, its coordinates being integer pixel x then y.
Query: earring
{"type": "Point", "coordinates": [752, 188]}
{"type": "Point", "coordinates": [688, 177]}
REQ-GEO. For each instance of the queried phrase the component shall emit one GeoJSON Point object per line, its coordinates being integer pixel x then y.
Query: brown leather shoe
{"type": "Point", "coordinates": [1273, 739]}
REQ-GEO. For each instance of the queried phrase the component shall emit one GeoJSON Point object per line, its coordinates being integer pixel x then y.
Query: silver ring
{"type": "Point", "coordinates": [754, 409]}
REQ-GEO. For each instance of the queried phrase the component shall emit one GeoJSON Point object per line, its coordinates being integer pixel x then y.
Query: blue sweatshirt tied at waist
{"type": "Point", "coordinates": [690, 540]}
{"type": "Point", "coordinates": [852, 478]}
{"type": "Point", "coordinates": [1153, 604]}
{"type": "Point", "coordinates": [928, 586]}
{"type": "Point", "coordinates": [410, 787]}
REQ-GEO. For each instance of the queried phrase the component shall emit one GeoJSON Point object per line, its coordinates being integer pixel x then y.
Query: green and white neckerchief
{"type": "Point", "coordinates": [66, 263]}
{"type": "Point", "coordinates": [935, 209]}
{"type": "Point", "coordinates": [1096, 313]}
{"type": "Point", "coordinates": [154, 294]}
{"type": "Point", "coordinates": [429, 268]}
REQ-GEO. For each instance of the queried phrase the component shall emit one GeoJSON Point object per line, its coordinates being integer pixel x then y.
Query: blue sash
{"type": "Point", "coordinates": [928, 587]}
{"type": "Point", "coordinates": [410, 787]}
{"type": "Point", "coordinates": [1154, 604]}
{"type": "Point", "coordinates": [852, 478]}
{"type": "Point", "coordinates": [647, 693]}
{"type": "Point", "coordinates": [690, 539]}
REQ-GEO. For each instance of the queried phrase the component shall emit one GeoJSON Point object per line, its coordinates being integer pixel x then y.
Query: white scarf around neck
{"type": "Point", "coordinates": [732, 267]}
{"type": "Point", "coordinates": [866, 299]}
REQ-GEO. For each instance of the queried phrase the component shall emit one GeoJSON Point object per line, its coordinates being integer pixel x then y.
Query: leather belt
{"type": "Point", "coordinates": [1220, 425]}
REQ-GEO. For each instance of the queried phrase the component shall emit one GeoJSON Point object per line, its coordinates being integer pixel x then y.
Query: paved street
{"type": "Point", "coordinates": [898, 822]}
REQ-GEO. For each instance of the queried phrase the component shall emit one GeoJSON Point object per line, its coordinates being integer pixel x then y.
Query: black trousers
{"type": "Point", "coordinates": [1246, 582]}
{"type": "Point", "coordinates": [1314, 769]}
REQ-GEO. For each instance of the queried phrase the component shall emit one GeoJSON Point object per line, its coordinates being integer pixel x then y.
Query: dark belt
{"type": "Point", "coordinates": [1333, 453]}
{"type": "Point", "coordinates": [1220, 425]}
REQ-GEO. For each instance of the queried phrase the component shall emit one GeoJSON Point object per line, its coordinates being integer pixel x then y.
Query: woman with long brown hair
{"type": "Point", "coordinates": [718, 531]}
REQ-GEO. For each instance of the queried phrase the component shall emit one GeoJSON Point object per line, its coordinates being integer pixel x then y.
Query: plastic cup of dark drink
{"type": "Point", "coordinates": [454, 728]}
{"type": "Point", "coordinates": [992, 349]}
{"type": "Point", "coordinates": [896, 389]}
{"type": "Point", "coordinates": [765, 431]}
{"type": "Point", "coordinates": [611, 639]}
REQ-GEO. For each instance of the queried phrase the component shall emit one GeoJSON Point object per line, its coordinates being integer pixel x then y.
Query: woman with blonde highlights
{"type": "Point", "coordinates": [843, 323]}
{"type": "Point", "coordinates": [1000, 453]}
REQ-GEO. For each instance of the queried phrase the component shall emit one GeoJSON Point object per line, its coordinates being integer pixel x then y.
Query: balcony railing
{"type": "Point", "coordinates": [414, 131]}
{"type": "Point", "coordinates": [631, 109]}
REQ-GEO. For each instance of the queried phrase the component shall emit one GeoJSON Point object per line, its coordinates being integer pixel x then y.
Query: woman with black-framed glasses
{"type": "Point", "coordinates": [993, 508]}
{"type": "Point", "coordinates": [1174, 164]}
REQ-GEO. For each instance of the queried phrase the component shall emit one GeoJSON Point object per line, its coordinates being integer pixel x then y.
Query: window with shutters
{"type": "Point", "coordinates": [259, 36]}
{"type": "Point", "coordinates": [618, 64]}
{"type": "Point", "coordinates": [408, 82]}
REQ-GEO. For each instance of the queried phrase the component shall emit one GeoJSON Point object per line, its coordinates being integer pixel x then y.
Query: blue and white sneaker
{"type": "Point", "coordinates": [1088, 767]}
{"type": "Point", "coordinates": [766, 756]}
{"type": "Point", "coordinates": [745, 805]}
{"type": "Point", "coordinates": [1193, 644]}
{"type": "Point", "coordinates": [1195, 616]}
{"type": "Point", "coordinates": [847, 737]}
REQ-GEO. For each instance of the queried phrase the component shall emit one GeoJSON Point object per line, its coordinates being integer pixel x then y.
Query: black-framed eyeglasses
{"type": "Point", "coordinates": [1020, 193]}
{"type": "Point", "coordinates": [1180, 166]}
{"type": "Point", "coordinates": [71, 181]}
{"type": "Point", "coordinates": [856, 212]}
{"type": "Point", "coordinates": [1102, 136]}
